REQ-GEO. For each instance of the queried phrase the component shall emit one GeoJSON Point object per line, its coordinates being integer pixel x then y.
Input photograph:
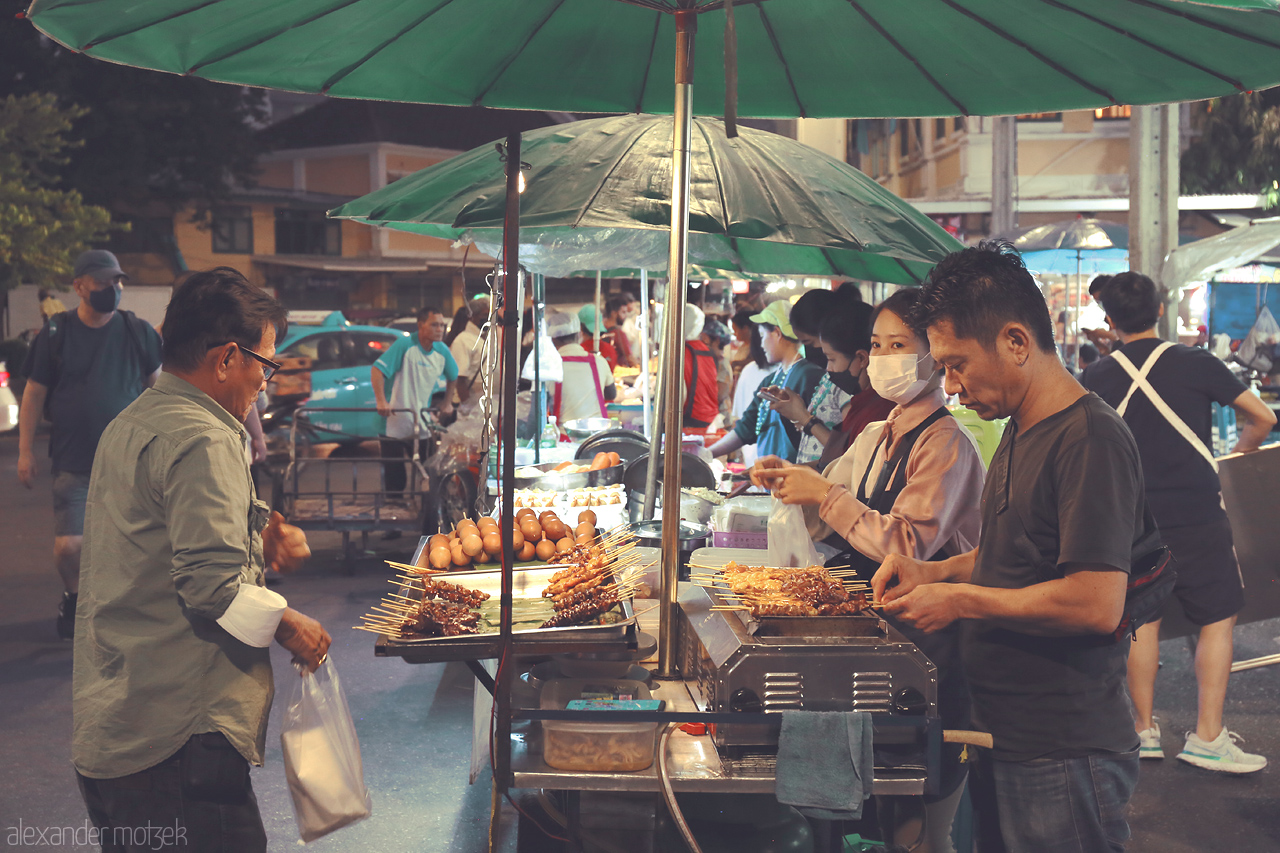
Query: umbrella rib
{"type": "Point", "coordinates": [1140, 40]}
{"type": "Point", "coordinates": [533, 33]}
{"type": "Point", "coordinates": [777, 49]}
{"type": "Point", "coordinates": [715, 167]}
{"type": "Point", "coordinates": [141, 26]}
{"type": "Point", "coordinates": [908, 271]}
{"type": "Point", "coordinates": [916, 62]}
{"type": "Point", "coordinates": [607, 175]}
{"type": "Point", "coordinates": [1031, 50]}
{"type": "Point", "coordinates": [653, 46]}
{"type": "Point", "coordinates": [269, 36]}
{"type": "Point", "coordinates": [1222, 28]}
{"type": "Point", "coordinates": [351, 69]}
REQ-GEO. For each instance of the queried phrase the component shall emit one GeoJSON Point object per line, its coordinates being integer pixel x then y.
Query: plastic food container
{"type": "Point", "coordinates": [595, 747]}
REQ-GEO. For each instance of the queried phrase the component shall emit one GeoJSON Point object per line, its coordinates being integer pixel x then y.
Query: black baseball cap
{"type": "Point", "coordinates": [100, 264]}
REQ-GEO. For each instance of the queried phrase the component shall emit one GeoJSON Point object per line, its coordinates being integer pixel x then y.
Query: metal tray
{"type": "Point", "coordinates": [556, 482]}
{"type": "Point", "coordinates": [526, 583]}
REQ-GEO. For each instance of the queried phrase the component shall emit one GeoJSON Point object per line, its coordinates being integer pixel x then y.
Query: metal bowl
{"type": "Point", "coordinates": [581, 429]}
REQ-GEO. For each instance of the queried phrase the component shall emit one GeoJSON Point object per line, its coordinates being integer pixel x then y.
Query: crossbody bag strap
{"type": "Point", "coordinates": [1140, 381]}
{"type": "Point", "coordinates": [692, 390]}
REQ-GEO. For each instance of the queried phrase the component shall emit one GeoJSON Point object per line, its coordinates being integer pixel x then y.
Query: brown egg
{"type": "Point", "coordinates": [554, 528]}
{"type": "Point", "coordinates": [486, 521]}
{"type": "Point", "coordinates": [587, 516]}
{"type": "Point", "coordinates": [523, 511]}
{"type": "Point", "coordinates": [564, 545]}
{"type": "Point", "coordinates": [436, 541]}
{"type": "Point", "coordinates": [545, 549]}
{"type": "Point", "coordinates": [472, 545]}
{"type": "Point", "coordinates": [441, 557]}
{"type": "Point", "coordinates": [527, 552]}
{"type": "Point", "coordinates": [493, 543]}
{"type": "Point", "coordinates": [584, 527]}
{"type": "Point", "coordinates": [584, 539]}
{"type": "Point", "coordinates": [467, 528]}
{"type": "Point", "coordinates": [459, 557]}
{"type": "Point", "coordinates": [546, 516]}
{"type": "Point", "coordinates": [531, 529]}
{"type": "Point", "coordinates": [517, 539]}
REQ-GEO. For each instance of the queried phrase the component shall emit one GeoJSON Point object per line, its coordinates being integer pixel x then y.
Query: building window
{"type": "Point", "coordinates": [939, 128]}
{"type": "Point", "coordinates": [1112, 112]}
{"type": "Point", "coordinates": [307, 232]}
{"type": "Point", "coordinates": [232, 231]}
{"type": "Point", "coordinates": [958, 123]}
{"type": "Point", "coordinates": [1040, 117]}
{"type": "Point", "coordinates": [904, 139]}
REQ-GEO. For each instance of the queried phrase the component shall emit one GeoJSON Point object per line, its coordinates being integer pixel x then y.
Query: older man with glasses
{"type": "Point", "coordinates": [172, 680]}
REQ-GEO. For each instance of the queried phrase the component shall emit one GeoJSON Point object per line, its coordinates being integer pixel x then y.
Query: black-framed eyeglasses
{"type": "Point", "coordinates": [269, 367]}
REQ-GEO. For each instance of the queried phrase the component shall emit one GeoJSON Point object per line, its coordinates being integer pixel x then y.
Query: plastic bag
{"type": "Point", "coordinates": [1256, 350]}
{"type": "Point", "coordinates": [789, 542]}
{"type": "Point", "coordinates": [322, 756]}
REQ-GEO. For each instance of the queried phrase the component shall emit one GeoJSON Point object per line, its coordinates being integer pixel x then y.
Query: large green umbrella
{"type": "Point", "coordinates": [804, 58]}
{"type": "Point", "coordinates": [598, 196]}
{"type": "Point", "coordinates": [799, 57]}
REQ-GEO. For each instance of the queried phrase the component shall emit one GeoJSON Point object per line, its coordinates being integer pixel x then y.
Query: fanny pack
{"type": "Point", "coordinates": [1151, 581]}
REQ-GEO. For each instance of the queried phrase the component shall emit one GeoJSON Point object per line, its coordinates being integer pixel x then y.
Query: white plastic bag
{"type": "Point", "coordinates": [322, 756]}
{"type": "Point", "coordinates": [789, 542]}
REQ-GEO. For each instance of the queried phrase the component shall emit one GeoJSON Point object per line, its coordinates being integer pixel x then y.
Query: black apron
{"type": "Point", "coordinates": [941, 647]}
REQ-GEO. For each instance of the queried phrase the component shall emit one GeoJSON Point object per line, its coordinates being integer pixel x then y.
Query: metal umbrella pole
{"type": "Point", "coordinates": [539, 416]}
{"type": "Point", "coordinates": [659, 417]}
{"type": "Point", "coordinates": [677, 267]}
{"type": "Point", "coordinates": [510, 375]}
{"type": "Point", "coordinates": [1079, 308]}
{"type": "Point", "coordinates": [642, 322]}
{"type": "Point", "coordinates": [599, 316]}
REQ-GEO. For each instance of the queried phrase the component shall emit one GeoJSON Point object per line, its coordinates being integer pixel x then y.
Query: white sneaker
{"type": "Point", "coordinates": [1221, 754]}
{"type": "Point", "coordinates": [1149, 742]}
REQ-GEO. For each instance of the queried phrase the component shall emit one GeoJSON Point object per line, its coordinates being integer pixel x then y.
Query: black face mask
{"type": "Point", "coordinates": [845, 381]}
{"type": "Point", "coordinates": [106, 300]}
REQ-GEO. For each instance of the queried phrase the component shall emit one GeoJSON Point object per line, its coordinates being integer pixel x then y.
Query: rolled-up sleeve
{"type": "Point", "coordinates": [208, 524]}
{"type": "Point", "coordinates": [941, 499]}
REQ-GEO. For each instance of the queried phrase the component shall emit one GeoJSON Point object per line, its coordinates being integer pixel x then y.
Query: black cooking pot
{"type": "Point", "coordinates": [692, 537]}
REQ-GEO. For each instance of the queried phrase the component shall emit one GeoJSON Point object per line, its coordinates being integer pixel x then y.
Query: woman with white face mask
{"type": "Point", "coordinates": [910, 485]}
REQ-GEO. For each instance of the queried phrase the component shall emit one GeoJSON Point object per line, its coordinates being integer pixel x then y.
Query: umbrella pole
{"type": "Point", "coordinates": [1079, 308]}
{"type": "Point", "coordinates": [599, 318]}
{"type": "Point", "coordinates": [677, 268]}
{"type": "Point", "coordinates": [659, 419]}
{"type": "Point", "coordinates": [511, 311]}
{"type": "Point", "coordinates": [539, 416]}
{"type": "Point", "coordinates": [643, 322]}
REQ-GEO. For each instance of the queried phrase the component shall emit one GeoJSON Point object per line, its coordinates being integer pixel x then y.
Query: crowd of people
{"type": "Point", "coordinates": [1011, 578]}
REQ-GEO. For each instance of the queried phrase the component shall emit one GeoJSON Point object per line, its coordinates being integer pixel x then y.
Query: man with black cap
{"type": "Point", "coordinates": [84, 367]}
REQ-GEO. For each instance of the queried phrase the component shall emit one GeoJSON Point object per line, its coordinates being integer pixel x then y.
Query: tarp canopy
{"type": "Point", "coordinates": [1198, 261]}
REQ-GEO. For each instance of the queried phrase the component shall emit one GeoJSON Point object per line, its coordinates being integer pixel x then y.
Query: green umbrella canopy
{"type": "Point", "coordinates": [598, 195]}
{"type": "Point", "coordinates": [798, 57]}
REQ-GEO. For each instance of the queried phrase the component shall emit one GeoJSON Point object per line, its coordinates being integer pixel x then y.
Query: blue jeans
{"type": "Point", "coordinates": [1072, 805]}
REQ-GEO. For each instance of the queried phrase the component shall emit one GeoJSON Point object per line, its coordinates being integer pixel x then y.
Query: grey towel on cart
{"type": "Point", "coordinates": [825, 763]}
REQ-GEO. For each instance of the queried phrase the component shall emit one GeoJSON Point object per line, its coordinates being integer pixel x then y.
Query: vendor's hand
{"type": "Point", "coordinates": [898, 575]}
{"type": "Point", "coordinates": [27, 469]}
{"type": "Point", "coordinates": [284, 546]}
{"type": "Point", "coordinates": [384, 408]}
{"type": "Point", "coordinates": [305, 637]}
{"type": "Point", "coordinates": [789, 404]}
{"type": "Point", "coordinates": [446, 408]}
{"type": "Point", "coordinates": [796, 484]}
{"type": "Point", "coordinates": [929, 607]}
{"type": "Point", "coordinates": [762, 464]}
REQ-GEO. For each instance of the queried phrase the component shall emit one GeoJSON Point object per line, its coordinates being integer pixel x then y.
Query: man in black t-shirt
{"type": "Point", "coordinates": [1063, 518]}
{"type": "Point", "coordinates": [88, 364]}
{"type": "Point", "coordinates": [1183, 491]}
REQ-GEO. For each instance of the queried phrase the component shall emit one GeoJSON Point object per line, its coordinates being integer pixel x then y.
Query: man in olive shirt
{"type": "Point", "coordinates": [172, 677]}
{"type": "Point", "coordinates": [1064, 516]}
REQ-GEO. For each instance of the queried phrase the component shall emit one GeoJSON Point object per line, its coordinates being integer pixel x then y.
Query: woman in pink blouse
{"type": "Point", "coordinates": [911, 485]}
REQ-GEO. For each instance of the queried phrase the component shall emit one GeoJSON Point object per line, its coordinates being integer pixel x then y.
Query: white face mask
{"type": "Point", "coordinates": [898, 377]}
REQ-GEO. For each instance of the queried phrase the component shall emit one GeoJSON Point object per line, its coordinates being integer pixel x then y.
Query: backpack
{"type": "Point", "coordinates": [56, 329]}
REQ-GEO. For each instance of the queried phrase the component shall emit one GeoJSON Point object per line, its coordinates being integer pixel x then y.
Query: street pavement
{"type": "Point", "coordinates": [414, 721]}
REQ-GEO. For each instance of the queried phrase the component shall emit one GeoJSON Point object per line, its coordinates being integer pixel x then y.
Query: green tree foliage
{"type": "Point", "coordinates": [1238, 149]}
{"type": "Point", "coordinates": [150, 139]}
{"type": "Point", "coordinates": [42, 227]}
